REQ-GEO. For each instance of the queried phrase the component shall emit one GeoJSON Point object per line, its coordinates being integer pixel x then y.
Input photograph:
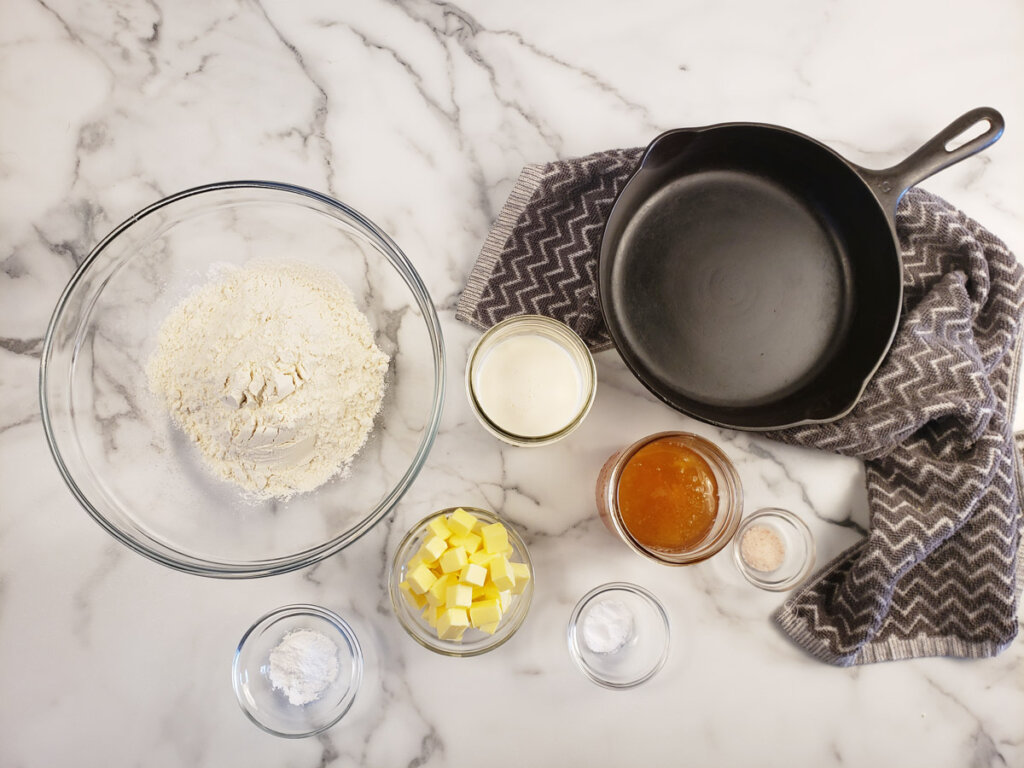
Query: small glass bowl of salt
{"type": "Point", "coordinates": [773, 549]}
{"type": "Point", "coordinates": [296, 670]}
{"type": "Point", "coordinates": [619, 635]}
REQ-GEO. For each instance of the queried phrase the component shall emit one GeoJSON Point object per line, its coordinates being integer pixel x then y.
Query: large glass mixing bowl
{"type": "Point", "coordinates": [123, 458]}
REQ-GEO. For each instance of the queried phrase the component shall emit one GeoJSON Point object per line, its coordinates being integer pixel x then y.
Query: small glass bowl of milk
{"type": "Point", "coordinates": [531, 380]}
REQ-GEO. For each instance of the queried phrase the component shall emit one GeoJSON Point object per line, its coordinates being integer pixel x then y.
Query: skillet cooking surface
{"type": "Point", "coordinates": [734, 271]}
{"type": "Point", "coordinates": [750, 276]}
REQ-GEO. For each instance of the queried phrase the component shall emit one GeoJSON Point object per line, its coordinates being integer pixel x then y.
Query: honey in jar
{"type": "Point", "coordinates": [667, 496]}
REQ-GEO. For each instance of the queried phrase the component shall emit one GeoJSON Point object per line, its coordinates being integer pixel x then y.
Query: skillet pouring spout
{"type": "Point", "coordinates": [750, 276]}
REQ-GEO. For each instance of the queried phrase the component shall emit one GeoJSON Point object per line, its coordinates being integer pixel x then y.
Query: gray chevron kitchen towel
{"type": "Point", "coordinates": [940, 570]}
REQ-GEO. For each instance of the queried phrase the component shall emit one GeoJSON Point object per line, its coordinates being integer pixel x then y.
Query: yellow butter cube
{"type": "Point", "coordinates": [459, 596]}
{"type": "Point", "coordinates": [439, 527]}
{"type": "Point", "coordinates": [522, 573]}
{"type": "Point", "coordinates": [473, 574]}
{"type": "Point", "coordinates": [485, 612]}
{"type": "Point", "coordinates": [505, 599]}
{"type": "Point", "coordinates": [451, 623]}
{"type": "Point", "coordinates": [432, 548]}
{"type": "Point", "coordinates": [495, 537]}
{"type": "Point", "coordinates": [489, 592]}
{"type": "Point", "coordinates": [417, 601]}
{"type": "Point", "coordinates": [420, 579]}
{"type": "Point", "coordinates": [481, 557]}
{"type": "Point", "coordinates": [461, 522]}
{"type": "Point", "coordinates": [453, 559]}
{"type": "Point", "coordinates": [470, 542]}
{"type": "Point", "coordinates": [430, 613]}
{"type": "Point", "coordinates": [439, 589]}
{"type": "Point", "coordinates": [501, 573]}
{"type": "Point", "coordinates": [491, 628]}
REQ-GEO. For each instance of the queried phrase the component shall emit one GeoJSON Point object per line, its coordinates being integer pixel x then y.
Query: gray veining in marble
{"type": "Point", "coordinates": [420, 114]}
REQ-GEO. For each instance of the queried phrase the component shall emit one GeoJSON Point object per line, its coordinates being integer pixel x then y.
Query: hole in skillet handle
{"type": "Point", "coordinates": [972, 133]}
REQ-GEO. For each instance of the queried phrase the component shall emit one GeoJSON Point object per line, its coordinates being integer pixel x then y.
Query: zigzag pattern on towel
{"type": "Point", "coordinates": [540, 271]}
{"type": "Point", "coordinates": [936, 573]}
{"type": "Point", "coordinates": [934, 427]}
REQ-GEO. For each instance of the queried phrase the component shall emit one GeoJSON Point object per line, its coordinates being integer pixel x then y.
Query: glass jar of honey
{"type": "Point", "coordinates": [674, 497]}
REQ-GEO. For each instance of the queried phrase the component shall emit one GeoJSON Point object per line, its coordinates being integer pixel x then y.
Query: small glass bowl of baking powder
{"type": "Point", "coordinates": [297, 670]}
{"type": "Point", "coordinates": [773, 549]}
{"type": "Point", "coordinates": [619, 635]}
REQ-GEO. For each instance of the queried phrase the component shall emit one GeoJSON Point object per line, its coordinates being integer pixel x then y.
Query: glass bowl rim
{"type": "Point", "coordinates": [270, 618]}
{"type": "Point", "coordinates": [417, 633]}
{"type": "Point", "coordinates": [571, 338]}
{"type": "Point", "coordinates": [802, 530]}
{"type": "Point", "coordinates": [572, 636]}
{"type": "Point", "coordinates": [285, 563]}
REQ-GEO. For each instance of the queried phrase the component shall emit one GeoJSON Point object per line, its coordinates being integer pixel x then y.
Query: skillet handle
{"type": "Point", "coordinates": [890, 184]}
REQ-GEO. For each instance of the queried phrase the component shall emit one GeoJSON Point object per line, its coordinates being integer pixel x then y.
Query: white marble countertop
{"type": "Point", "coordinates": [420, 114]}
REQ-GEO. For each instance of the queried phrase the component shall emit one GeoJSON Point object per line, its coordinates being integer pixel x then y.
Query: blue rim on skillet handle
{"type": "Point", "coordinates": [750, 276]}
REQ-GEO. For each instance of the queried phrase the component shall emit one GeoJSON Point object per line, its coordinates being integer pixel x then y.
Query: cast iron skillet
{"type": "Point", "coordinates": [750, 277]}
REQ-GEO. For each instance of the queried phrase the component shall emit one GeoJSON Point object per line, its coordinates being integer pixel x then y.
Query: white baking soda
{"type": "Point", "coordinates": [529, 386]}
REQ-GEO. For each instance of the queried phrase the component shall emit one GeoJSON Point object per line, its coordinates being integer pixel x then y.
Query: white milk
{"type": "Point", "coordinates": [529, 386]}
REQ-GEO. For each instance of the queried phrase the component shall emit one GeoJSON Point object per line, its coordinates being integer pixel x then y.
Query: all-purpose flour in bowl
{"type": "Point", "coordinates": [273, 373]}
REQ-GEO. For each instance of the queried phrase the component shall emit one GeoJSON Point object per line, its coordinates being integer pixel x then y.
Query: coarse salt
{"type": "Point", "coordinates": [762, 548]}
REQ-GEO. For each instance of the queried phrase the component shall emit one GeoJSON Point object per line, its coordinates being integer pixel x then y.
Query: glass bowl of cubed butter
{"type": "Point", "coordinates": [461, 581]}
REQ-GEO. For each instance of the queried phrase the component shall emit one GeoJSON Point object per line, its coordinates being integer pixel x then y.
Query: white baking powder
{"type": "Point", "coordinates": [303, 665]}
{"type": "Point", "coordinates": [608, 626]}
{"type": "Point", "coordinates": [273, 373]}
